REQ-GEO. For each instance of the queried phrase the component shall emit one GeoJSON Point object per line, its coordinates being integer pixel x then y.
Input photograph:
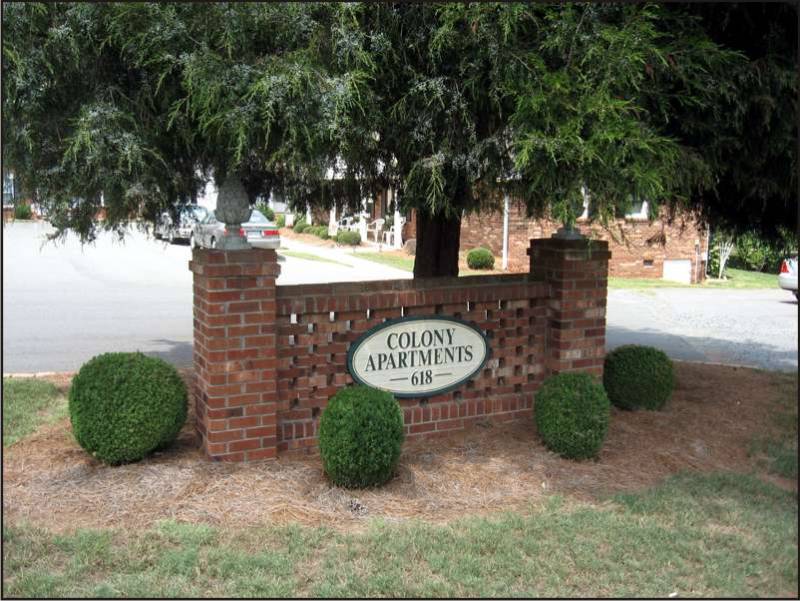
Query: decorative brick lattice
{"type": "Point", "coordinates": [317, 324]}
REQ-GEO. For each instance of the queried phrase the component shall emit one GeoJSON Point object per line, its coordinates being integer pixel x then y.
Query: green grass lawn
{"type": "Point", "coordinates": [309, 257]}
{"type": "Point", "coordinates": [641, 283]}
{"type": "Point", "coordinates": [695, 535]}
{"type": "Point", "coordinates": [740, 278]}
{"type": "Point", "coordinates": [737, 278]}
{"type": "Point", "coordinates": [391, 260]}
{"type": "Point", "coordinates": [407, 263]}
{"type": "Point", "coordinates": [27, 404]}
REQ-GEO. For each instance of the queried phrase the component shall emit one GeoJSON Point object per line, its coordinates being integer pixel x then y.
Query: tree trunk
{"type": "Point", "coordinates": [438, 240]}
{"type": "Point", "coordinates": [725, 249]}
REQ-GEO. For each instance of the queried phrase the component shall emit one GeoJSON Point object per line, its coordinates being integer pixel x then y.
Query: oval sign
{"type": "Point", "coordinates": [418, 356]}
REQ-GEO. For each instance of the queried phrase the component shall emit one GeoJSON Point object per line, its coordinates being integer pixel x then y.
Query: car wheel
{"type": "Point", "coordinates": [213, 242]}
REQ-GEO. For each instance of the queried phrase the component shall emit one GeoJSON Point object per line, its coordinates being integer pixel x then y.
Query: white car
{"type": "Point", "coordinates": [189, 216]}
{"type": "Point", "coordinates": [259, 231]}
{"type": "Point", "coordinates": [787, 278]}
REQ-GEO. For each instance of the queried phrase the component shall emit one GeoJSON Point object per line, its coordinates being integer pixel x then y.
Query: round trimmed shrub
{"type": "Point", "coordinates": [322, 232]}
{"type": "Point", "coordinates": [300, 227]}
{"type": "Point", "coordinates": [348, 237]}
{"type": "Point", "coordinates": [280, 221]}
{"type": "Point", "coordinates": [360, 436]}
{"type": "Point", "coordinates": [638, 377]}
{"type": "Point", "coordinates": [125, 405]}
{"type": "Point", "coordinates": [480, 258]}
{"type": "Point", "coordinates": [571, 413]}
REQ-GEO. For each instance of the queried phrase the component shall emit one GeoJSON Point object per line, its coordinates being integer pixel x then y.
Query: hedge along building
{"type": "Point", "coordinates": [267, 358]}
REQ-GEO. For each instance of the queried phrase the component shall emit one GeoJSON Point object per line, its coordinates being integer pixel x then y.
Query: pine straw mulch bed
{"type": "Point", "coordinates": [708, 425]}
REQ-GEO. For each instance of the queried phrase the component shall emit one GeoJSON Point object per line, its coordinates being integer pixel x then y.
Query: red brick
{"type": "Point", "coordinates": [244, 445]}
{"type": "Point", "coordinates": [225, 436]}
{"type": "Point", "coordinates": [262, 431]}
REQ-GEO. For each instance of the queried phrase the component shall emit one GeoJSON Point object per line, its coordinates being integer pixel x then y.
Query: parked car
{"type": "Point", "coordinates": [787, 278]}
{"type": "Point", "coordinates": [190, 215]}
{"type": "Point", "coordinates": [259, 231]}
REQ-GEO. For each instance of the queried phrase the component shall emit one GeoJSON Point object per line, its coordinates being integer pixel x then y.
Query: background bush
{"type": "Point", "coordinates": [360, 437]}
{"type": "Point", "coordinates": [300, 227]}
{"type": "Point", "coordinates": [348, 237]}
{"type": "Point", "coordinates": [638, 377]}
{"type": "Point", "coordinates": [23, 211]}
{"type": "Point", "coordinates": [266, 211]}
{"type": "Point", "coordinates": [281, 221]}
{"type": "Point", "coordinates": [480, 258]}
{"type": "Point", "coordinates": [755, 254]}
{"type": "Point", "coordinates": [125, 405]}
{"type": "Point", "coordinates": [571, 413]}
{"type": "Point", "coordinates": [322, 232]}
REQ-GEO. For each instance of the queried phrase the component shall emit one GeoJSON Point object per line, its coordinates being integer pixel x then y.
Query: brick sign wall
{"type": "Point", "coordinates": [267, 358]}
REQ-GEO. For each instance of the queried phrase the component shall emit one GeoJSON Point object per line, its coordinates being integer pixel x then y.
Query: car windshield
{"type": "Point", "coordinates": [199, 213]}
{"type": "Point", "coordinates": [257, 217]}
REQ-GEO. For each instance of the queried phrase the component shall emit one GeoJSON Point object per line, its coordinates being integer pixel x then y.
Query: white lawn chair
{"type": "Point", "coordinates": [376, 228]}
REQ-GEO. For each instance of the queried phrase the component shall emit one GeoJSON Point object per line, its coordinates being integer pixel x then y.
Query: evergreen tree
{"type": "Point", "coordinates": [451, 105]}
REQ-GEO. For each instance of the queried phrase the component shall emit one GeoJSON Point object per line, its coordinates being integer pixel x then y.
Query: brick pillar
{"type": "Point", "coordinates": [235, 355]}
{"type": "Point", "coordinates": [577, 271]}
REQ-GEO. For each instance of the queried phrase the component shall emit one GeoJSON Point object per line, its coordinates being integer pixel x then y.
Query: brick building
{"type": "Point", "coordinates": [673, 248]}
{"type": "Point", "coordinates": [669, 247]}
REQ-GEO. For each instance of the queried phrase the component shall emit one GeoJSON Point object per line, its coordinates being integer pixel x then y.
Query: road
{"type": "Point", "coordinates": [63, 304]}
{"type": "Point", "coordinates": [737, 327]}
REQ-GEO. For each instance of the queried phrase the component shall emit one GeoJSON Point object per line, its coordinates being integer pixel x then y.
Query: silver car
{"type": "Point", "coordinates": [190, 215]}
{"type": "Point", "coordinates": [259, 231]}
{"type": "Point", "coordinates": [787, 278]}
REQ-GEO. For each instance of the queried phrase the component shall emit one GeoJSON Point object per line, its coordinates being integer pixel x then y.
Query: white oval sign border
{"type": "Point", "coordinates": [389, 323]}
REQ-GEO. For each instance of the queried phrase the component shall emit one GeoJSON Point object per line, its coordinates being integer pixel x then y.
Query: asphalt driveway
{"type": "Point", "coordinates": [756, 328]}
{"type": "Point", "coordinates": [64, 303]}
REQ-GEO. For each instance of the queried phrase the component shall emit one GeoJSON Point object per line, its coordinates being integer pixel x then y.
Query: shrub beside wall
{"type": "Point", "coordinates": [571, 413]}
{"type": "Point", "coordinates": [23, 211]}
{"type": "Point", "coordinates": [349, 238]}
{"type": "Point", "coordinates": [360, 437]}
{"type": "Point", "coordinates": [266, 210]}
{"type": "Point", "coordinates": [638, 377]}
{"type": "Point", "coordinates": [480, 258]}
{"type": "Point", "coordinates": [123, 406]}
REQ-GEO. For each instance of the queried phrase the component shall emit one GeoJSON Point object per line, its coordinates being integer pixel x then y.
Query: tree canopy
{"type": "Point", "coordinates": [449, 104]}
